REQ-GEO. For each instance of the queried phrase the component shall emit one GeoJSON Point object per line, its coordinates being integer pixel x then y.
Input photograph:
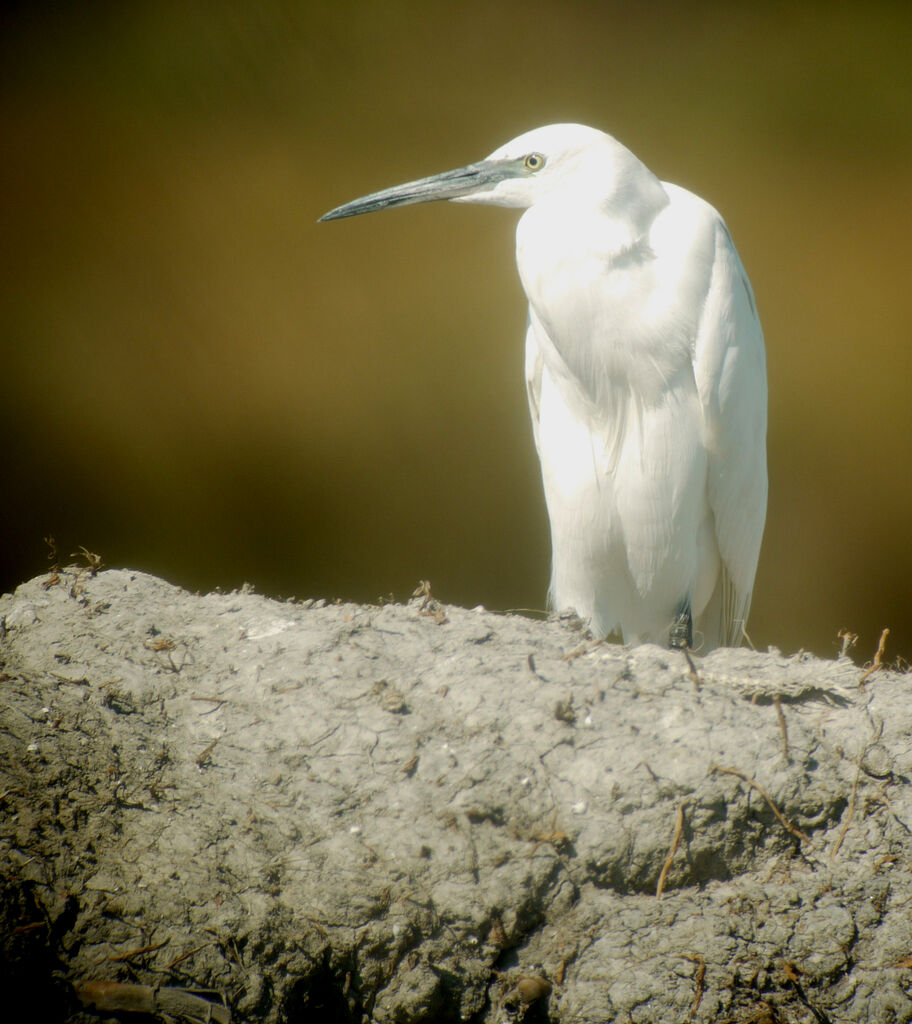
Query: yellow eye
{"type": "Point", "coordinates": [534, 162]}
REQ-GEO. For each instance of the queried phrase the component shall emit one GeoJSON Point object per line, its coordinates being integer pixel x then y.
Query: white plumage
{"type": "Point", "coordinates": [646, 379]}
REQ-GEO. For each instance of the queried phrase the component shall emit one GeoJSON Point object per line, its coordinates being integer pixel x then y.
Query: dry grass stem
{"type": "Point", "coordinates": [780, 714]}
{"type": "Point", "coordinates": [878, 658]}
{"type": "Point", "coordinates": [185, 956]}
{"type": "Point", "coordinates": [699, 977]}
{"type": "Point", "coordinates": [849, 815]}
{"type": "Point", "coordinates": [692, 669]}
{"type": "Point", "coordinates": [673, 849]}
{"type": "Point", "coordinates": [786, 824]}
{"type": "Point", "coordinates": [130, 953]}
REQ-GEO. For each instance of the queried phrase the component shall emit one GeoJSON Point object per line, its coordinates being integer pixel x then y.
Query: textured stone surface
{"type": "Point", "coordinates": [397, 813]}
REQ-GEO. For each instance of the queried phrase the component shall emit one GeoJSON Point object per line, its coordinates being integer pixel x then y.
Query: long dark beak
{"type": "Point", "coordinates": [450, 185]}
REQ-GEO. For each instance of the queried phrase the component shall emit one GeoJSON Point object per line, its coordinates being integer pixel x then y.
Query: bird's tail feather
{"type": "Point", "coordinates": [722, 621]}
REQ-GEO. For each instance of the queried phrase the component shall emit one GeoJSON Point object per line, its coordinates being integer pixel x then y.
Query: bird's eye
{"type": "Point", "coordinates": [534, 162]}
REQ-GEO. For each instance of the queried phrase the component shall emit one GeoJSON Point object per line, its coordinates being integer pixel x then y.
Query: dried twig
{"type": "Point", "coordinates": [216, 702]}
{"type": "Point", "coordinates": [33, 926]}
{"type": "Point", "coordinates": [780, 714]}
{"type": "Point", "coordinates": [92, 561]}
{"type": "Point", "coordinates": [287, 689]}
{"type": "Point", "coordinates": [878, 658]}
{"type": "Point", "coordinates": [786, 824]}
{"type": "Point", "coordinates": [692, 669]}
{"type": "Point", "coordinates": [848, 638]}
{"type": "Point", "coordinates": [203, 757]}
{"type": "Point", "coordinates": [673, 849]}
{"type": "Point", "coordinates": [130, 953]}
{"type": "Point", "coordinates": [553, 836]}
{"type": "Point", "coordinates": [184, 956]}
{"type": "Point", "coordinates": [577, 652]}
{"type": "Point", "coordinates": [699, 977]}
{"type": "Point", "coordinates": [849, 814]}
{"type": "Point", "coordinates": [54, 577]}
{"type": "Point", "coordinates": [430, 606]}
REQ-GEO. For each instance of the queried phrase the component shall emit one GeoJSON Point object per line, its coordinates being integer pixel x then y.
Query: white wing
{"type": "Point", "coordinates": [730, 371]}
{"type": "Point", "coordinates": [534, 364]}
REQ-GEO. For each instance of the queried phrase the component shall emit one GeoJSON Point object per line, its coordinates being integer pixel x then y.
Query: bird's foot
{"type": "Point", "coordinates": [681, 633]}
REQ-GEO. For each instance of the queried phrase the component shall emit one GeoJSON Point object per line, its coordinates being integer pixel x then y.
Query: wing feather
{"type": "Point", "coordinates": [730, 371]}
{"type": "Point", "coordinates": [534, 364]}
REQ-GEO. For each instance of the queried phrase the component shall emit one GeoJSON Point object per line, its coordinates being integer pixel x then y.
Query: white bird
{"type": "Point", "coordinates": [646, 378]}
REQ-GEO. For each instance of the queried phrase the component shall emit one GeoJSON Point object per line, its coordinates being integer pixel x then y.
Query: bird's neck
{"type": "Point", "coordinates": [632, 199]}
{"type": "Point", "coordinates": [588, 268]}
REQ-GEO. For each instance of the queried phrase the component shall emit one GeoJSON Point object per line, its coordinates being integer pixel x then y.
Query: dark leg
{"type": "Point", "coordinates": [681, 633]}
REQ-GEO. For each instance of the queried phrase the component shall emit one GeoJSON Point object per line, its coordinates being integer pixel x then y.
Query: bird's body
{"type": "Point", "coordinates": [646, 380]}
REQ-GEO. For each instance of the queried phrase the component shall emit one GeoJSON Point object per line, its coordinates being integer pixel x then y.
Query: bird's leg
{"type": "Point", "coordinates": [681, 633]}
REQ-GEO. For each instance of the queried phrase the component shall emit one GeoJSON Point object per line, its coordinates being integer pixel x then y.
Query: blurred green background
{"type": "Point", "coordinates": [200, 381]}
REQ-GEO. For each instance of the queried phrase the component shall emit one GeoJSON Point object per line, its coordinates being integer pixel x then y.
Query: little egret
{"type": "Point", "coordinates": [646, 379]}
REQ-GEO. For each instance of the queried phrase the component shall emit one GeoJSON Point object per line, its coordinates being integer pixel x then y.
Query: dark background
{"type": "Point", "coordinates": [200, 381]}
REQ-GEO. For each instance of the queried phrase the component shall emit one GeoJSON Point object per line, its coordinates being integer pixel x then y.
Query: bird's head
{"type": "Point", "coordinates": [518, 174]}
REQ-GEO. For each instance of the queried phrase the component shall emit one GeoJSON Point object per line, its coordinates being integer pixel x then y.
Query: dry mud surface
{"type": "Point", "coordinates": [225, 806]}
